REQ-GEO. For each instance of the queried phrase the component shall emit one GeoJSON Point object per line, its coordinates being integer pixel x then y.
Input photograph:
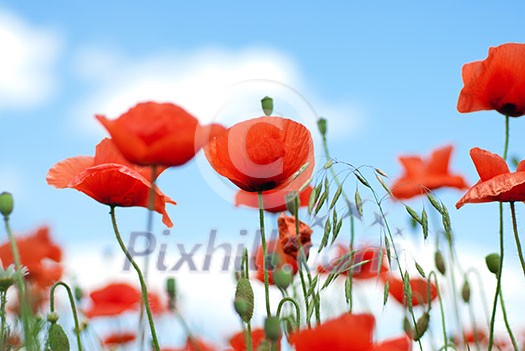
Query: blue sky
{"type": "Point", "coordinates": [386, 75]}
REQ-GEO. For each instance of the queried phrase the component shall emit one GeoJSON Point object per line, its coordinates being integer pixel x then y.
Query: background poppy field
{"type": "Point", "coordinates": [386, 76]}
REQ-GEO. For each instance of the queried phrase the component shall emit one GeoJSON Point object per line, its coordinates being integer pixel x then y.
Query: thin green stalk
{"type": "Point", "coordinates": [25, 309]}
{"type": "Point", "coordinates": [297, 310]}
{"type": "Point", "coordinates": [498, 283]}
{"type": "Point", "coordinates": [248, 337]}
{"type": "Point", "coordinates": [263, 243]}
{"type": "Point", "coordinates": [507, 325]}
{"type": "Point", "coordinates": [506, 145]}
{"type": "Point", "coordinates": [143, 287]}
{"type": "Point", "coordinates": [454, 287]}
{"type": "Point", "coordinates": [73, 308]}
{"type": "Point", "coordinates": [2, 317]}
{"type": "Point", "coordinates": [442, 311]}
{"type": "Point", "coordinates": [516, 236]}
{"type": "Point", "coordinates": [481, 289]}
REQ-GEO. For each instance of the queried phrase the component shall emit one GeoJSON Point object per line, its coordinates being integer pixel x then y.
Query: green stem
{"type": "Point", "coordinates": [481, 289]}
{"type": "Point", "coordinates": [498, 284]}
{"type": "Point", "coordinates": [297, 310]}
{"type": "Point", "coordinates": [454, 286]}
{"type": "Point", "coordinates": [25, 309]}
{"type": "Point", "coordinates": [506, 145]}
{"type": "Point", "coordinates": [143, 287]}
{"type": "Point", "coordinates": [507, 325]}
{"type": "Point", "coordinates": [263, 243]}
{"type": "Point", "coordinates": [73, 308]}
{"type": "Point", "coordinates": [2, 317]}
{"type": "Point", "coordinates": [248, 337]}
{"type": "Point", "coordinates": [442, 311]}
{"type": "Point", "coordinates": [516, 236]}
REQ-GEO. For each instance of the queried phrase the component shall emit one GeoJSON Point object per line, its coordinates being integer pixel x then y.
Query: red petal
{"type": "Point", "coordinates": [488, 164]}
{"type": "Point", "coordinates": [61, 174]}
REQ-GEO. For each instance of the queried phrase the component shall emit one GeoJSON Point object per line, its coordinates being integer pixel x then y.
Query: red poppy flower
{"type": "Point", "coordinates": [368, 270]}
{"type": "Point", "coordinates": [347, 332]}
{"type": "Point", "coordinates": [194, 344]}
{"type": "Point", "coordinates": [496, 83]}
{"type": "Point", "coordinates": [289, 237]}
{"type": "Point", "coordinates": [422, 175]}
{"type": "Point", "coordinates": [153, 133]}
{"type": "Point", "coordinates": [109, 179]}
{"type": "Point", "coordinates": [119, 339]}
{"type": "Point", "coordinates": [496, 182]}
{"type": "Point", "coordinates": [263, 154]}
{"type": "Point", "coordinates": [39, 254]}
{"type": "Point", "coordinates": [420, 290]}
{"type": "Point", "coordinates": [276, 259]}
{"type": "Point", "coordinates": [274, 201]}
{"type": "Point", "coordinates": [238, 341]}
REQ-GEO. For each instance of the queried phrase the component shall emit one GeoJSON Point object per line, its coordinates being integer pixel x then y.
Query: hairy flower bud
{"type": "Point", "coordinates": [421, 326]}
{"type": "Point", "coordinates": [243, 303]}
{"type": "Point", "coordinates": [283, 276]}
{"type": "Point", "coordinates": [272, 328]}
{"type": "Point", "coordinates": [6, 203]}
{"type": "Point", "coordinates": [465, 292]}
{"type": "Point", "coordinates": [267, 105]}
{"type": "Point", "coordinates": [321, 124]}
{"type": "Point", "coordinates": [57, 339]}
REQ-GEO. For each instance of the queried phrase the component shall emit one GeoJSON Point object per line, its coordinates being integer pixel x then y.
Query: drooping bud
{"type": "Point", "coordinates": [267, 105]}
{"type": "Point", "coordinates": [79, 294]}
{"type": "Point", "coordinates": [6, 204]}
{"type": "Point", "coordinates": [283, 276]}
{"type": "Point", "coordinates": [322, 125]}
{"type": "Point", "coordinates": [272, 328]}
{"type": "Point", "coordinates": [465, 292]}
{"type": "Point", "coordinates": [243, 302]}
{"type": "Point", "coordinates": [493, 262]}
{"type": "Point", "coordinates": [421, 326]}
{"type": "Point", "coordinates": [57, 339]}
{"type": "Point", "coordinates": [439, 261]}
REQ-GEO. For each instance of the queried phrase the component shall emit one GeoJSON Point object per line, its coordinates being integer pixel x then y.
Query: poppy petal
{"type": "Point", "coordinates": [61, 174]}
{"type": "Point", "coordinates": [488, 164]}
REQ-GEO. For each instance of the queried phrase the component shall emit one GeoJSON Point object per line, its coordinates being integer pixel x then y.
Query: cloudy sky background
{"type": "Point", "coordinates": [385, 75]}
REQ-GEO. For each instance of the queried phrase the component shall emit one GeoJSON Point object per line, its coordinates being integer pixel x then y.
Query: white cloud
{"type": "Point", "coordinates": [27, 62]}
{"type": "Point", "coordinates": [213, 84]}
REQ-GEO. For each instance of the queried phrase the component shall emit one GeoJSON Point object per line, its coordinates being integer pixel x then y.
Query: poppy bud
{"type": "Point", "coordinates": [439, 261]}
{"type": "Point", "coordinates": [292, 201]}
{"type": "Point", "coordinates": [267, 105]}
{"type": "Point", "coordinates": [78, 293]}
{"type": "Point", "coordinates": [272, 328]}
{"type": "Point", "coordinates": [171, 288]}
{"type": "Point", "coordinates": [57, 339]}
{"type": "Point", "coordinates": [465, 292]}
{"type": "Point", "coordinates": [244, 299]}
{"type": "Point", "coordinates": [321, 124]}
{"type": "Point", "coordinates": [6, 203]}
{"type": "Point", "coordinates": [422, 326]}
{"type": "Point", "coordinates": [282, 277]}
{"type": "Point", "coordinates": [493, 262]}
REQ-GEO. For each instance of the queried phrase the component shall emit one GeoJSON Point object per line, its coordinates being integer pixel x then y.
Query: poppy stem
{"type": "Point", "coordinates": [25, 309]}
{"type": "Point", "coordinates": [263, 244]}
{"type": "Point", "coordinates": [73, 308]}
{"type": "Point", "coordinates": [297, 310]}
{"type": "Point", "coordinates": [506, 145]}
{"type": "Point", "coordinates": [443, 326]}
{"type": "Point", "coordinates": [516, 235]}
{"type": "Point", "coordinates": [3, 303]}
{"type": "Point", "coordinates": [143, 287]}
{"type": "Point", "coordinates": [248, 337]}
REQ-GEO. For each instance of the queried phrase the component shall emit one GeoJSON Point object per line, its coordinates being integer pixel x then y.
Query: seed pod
{"type": "Point", "coordinates": [422, 326]}
{"type": "Point", "coordinates": [244, 299]}
{"type": "Point", "coordinates": [57, 339]}
{"type": "Point", "coordinates": [6, 204]}
{"type": "Point", "coordinates": [439, 261]}
{"type": "Point", "coordinates": [321, 124]}
{"type": "Point", "coordinates": [465, 292]}
{"type": "Point", "coordinates": [282, 277]}
{"type": "Point", "coordinates": [272, 328]}
{"type": "Point", "coordinates": [493, 262]}
{"type": "Point", "coordinates": [267, 105]}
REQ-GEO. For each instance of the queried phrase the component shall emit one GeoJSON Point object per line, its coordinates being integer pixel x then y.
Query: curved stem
{"type": "Point", "coordinates": [263, 243]}
{"type": "Point", "coordinates": [498, 284]}
{"type": "Point", "coordinates": [73, 308]}
{"type": "Point", "coordinates": [516, 236]}
{"type": "Point", "coordinates": [297, 310]}
{"type": "Point", "coordinates": [143, 287]}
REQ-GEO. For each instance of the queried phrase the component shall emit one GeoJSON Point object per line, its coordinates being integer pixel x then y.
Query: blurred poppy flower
{"type": "Point", "coordinates": [365, 263]}
{"type": "Point", "coordinates": [496, 182]}
{"type": "Point", "coordinates": [347, 332]}
{"type": "Point", "coordinates": [274, 201]}
{"type": "Point", "coordinates": [289, 237]}
{"type": "Point", "coordinates": [39, 254]}
{"type": "Point", "coordinates": [238, 341]}
{"type": "Point", "coordinates": [275, 259]}
{"type": "Point", "coordinates": [471, 337]}
{"type": "Point", "coordinates": [264, 154]}
{"type": "Point", "coordinates": [422, 175]}
{"type": "Point", "coordinates": [117, 298]}
{"type": "Point", "coordinates": [109, 179]}
{"type": "Point", "coordinates": [496, 83]}
{"type": "Point", "coordinates": [119, 339]}
{"type": "Point", "coordinates": [420, 290]}
{"type": "Point", "coordinates": [161, 134]}
{"type": "Point", "coordinates": [194, 344]}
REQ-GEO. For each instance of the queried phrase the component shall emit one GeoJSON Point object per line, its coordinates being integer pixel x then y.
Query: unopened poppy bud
{"type": "Point", "coordinates": [267, 105]}
{"type": "Point", "coordinates": [272, 328]}
{"type": "Point", "coordinates": [171, 287]}
{"type": "Point", "coordinates": [6, 203]}
{"type": "Point", "coordinates": [78, 293]}
{"type": "Point", "coordinates": [422, 326]}
{"type": "Point", "coordinates": [322, 125]}
{"type": "Point", "coordinates": [493, 262]}
{"type": "Point", "coordinates": [292, 201]}
{"type": "Point", "coordinates": [465, 292]}
{"type": "Point", "coordinates": [52, 317]}
{"type": "Point", "coordinates": [282, 277]}
{"type": "Point", "coordinates": [244, 292]}
{"type": "Point", "coordinates": [439, 261]}
{"type": "Point", "coordinates": [57, 339]}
